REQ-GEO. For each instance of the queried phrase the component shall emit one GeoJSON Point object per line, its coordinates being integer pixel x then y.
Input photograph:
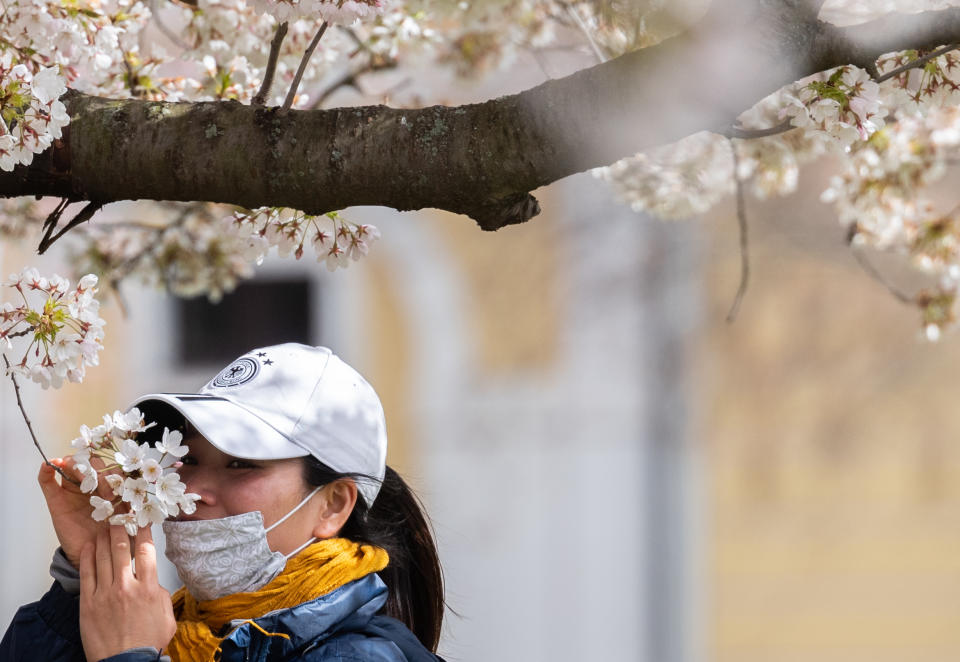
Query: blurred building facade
{"type": "Point", "coordinates": [535, 389]}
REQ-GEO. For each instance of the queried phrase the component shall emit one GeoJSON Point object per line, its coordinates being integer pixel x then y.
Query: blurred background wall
{"type": "Point", "coordinates": [535, 383]}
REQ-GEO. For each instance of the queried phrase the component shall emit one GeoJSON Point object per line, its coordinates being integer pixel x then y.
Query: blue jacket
{"type": "Point", "coordinates": [342, 626]}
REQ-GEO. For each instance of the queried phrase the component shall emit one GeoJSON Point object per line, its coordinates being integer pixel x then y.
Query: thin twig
{"type": "Point", "coordinates": [747, 134]}
{"type": "Point", "coordinates": [261, 96]}
{"type": "Point", "coordinates": [26, 419]}
{"type": "Point", "coordinates": [350, 77]}
{"type": "Point", "coordinates": [345, 79]}
{"type": "Point", "coordinates": [355, 38]}
{"type": "Point", "coordinates": [82, 216]}
{"type": "Point", "coordinates": [131, 76]}
{"type": "Point", "coordinates": [744, 246]}
{"type": "Point", "coordinates": [535, 54]}
{"type": "Point", "coordinates": [916, 63]}
{"type": "Point", "coordinates": [585, 30]}
{"type": "Point", "coordinates": [50, 223]}
{"type": "Point", "coordinates": [303, 66]}
{"type": "Point", "coordinates": [873, 273]}
{"type": "Point", "coordinates": [167, 32]}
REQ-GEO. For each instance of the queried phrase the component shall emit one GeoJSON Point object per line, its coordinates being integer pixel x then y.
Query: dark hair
{"type": "Point", "coordinates": [396, 522]}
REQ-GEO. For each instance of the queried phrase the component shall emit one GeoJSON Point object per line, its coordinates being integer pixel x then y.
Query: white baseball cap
{"type": "Point", "coordinates": [288, 401]}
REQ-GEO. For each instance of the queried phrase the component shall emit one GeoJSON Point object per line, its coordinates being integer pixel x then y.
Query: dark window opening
{"type": "Point", "coordinates": [256, 314]}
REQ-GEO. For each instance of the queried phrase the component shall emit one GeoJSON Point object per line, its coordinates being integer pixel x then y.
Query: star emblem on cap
{"type": "Point", "coordinates": [268, 362]}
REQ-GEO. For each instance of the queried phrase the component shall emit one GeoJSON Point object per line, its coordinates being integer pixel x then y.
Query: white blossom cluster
{"type": "Point", "coordinates": [204, 253]}
{"type": "Point", "coordinates": [831, 111]}
{"type": "Point", "coordinates": [919, 89]}
{"type": "Point", "coordinates": [486, 36]}
{"type": "Point", "coordinates": [397, 27]}
{"type": "Point", "coordinates": [202, 256]}
{"type": "Point", "coordinates": [230, 42]}
{"type": "Point", "coordinates": [196, 254]}
{"type": "Point", "coordinates": [60, 326]}
{"type": "Point", "coordinates": [893, 139]}
{"type": "Point", "coordinates": [881, 191]}
{"type": "Point", "coordinates": [843, 104]}
{"type": "Point", "coordinates": [99, 46]}
{"type": "Point", "coordinates": [882, 196]}
{"type": "Point", "coordinates": [93, 44]}
{"type": "Point", "coordinates": [81, 36]}
{"type": "Point", "coordinates": [31, 114]}
{"type": "Point", "coordinates": [772, 163]}
{"type": "Point", "coordinates": [335, 240]}
{"type": "Point", "coordinates": [139, 479]}
{"type": "Point", "coordinates": [675, 181]}
{"type": "Point", "coordinates": [339, 12]}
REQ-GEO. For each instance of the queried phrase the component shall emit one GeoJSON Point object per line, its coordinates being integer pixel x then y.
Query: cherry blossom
{"type": "Point", "coordinates": [102, 509]}
{"type": "Point", "coordinates": [342, 12]}
{"type": "Point", "coordinates": [335, 240]}
{"type": "Point", "coordinates": [170, 444]}
{"type": "Point", "coordinates": [843, 104]}
{"type": "Point", "coordinates": [60, 326]}
{"type": "Point", "coordinates": [131, 455]}
{"type": "Point", "coordinates": [141, 477]}
{"type": "Point", "coordinates": [680, 180]}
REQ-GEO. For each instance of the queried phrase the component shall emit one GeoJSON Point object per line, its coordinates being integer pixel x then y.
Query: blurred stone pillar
{"type": "Point", "coordinates": [564, 496]}
{"type": "Point", "coordinates": [670, 298]}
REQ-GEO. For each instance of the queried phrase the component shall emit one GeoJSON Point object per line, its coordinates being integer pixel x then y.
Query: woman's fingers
{"type": "Point", "coordinates": [145, 554]}
{"type": "Point", "coordinates": [104, 557]}
{"type": "Point", "coordinates": [120, 554]}
{"type": "Point", "coordinates": [88, 569]}
{"type": "Point", "coordinates": [47, 477]}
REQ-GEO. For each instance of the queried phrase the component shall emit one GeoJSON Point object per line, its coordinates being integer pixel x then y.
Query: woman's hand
{"type": "Point", "coordinates": [70, 508]}
{"type": "Point", "coordinates": [120, 609]}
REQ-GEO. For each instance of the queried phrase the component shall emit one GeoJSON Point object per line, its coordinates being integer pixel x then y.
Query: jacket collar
{"type": "Point", "coordinates": [349, 608]}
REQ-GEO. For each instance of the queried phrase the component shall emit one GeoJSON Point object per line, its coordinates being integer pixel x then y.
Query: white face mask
{"type": "Point", "coordinates": [218, 557]}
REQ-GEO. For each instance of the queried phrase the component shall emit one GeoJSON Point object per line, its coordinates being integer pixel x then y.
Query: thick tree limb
{"type": "Point", "coordinates": [483, 159]}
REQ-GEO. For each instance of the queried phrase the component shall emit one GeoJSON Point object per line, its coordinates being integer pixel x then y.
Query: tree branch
{"type": "Point", "coordinates": [82, 216]}
{"type": "Point", "coordinates": [744, 243]}
{"type": "Point", "coordinates": [478, 159]}
{"type": "Point", "coordinates": [862, 45]}
{"type": "Point", "coordinates": [913, 64]}
{"type": "Point", "coordinates": [748, 134]}
{"type": "Point", "coordinates": [871, 271]}
{"type": "Point", "coordinates": [26, 419]}
{"type": "Point", "coordinates": [260, 97]}
{"type": "Point", "coordinates": [292, 92]}
{"type": "Point", "coordinates": [349, 77]}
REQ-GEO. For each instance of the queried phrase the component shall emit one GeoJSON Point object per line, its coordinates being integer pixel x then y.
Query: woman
{"type": "Point", "coordinates": [304, 545]}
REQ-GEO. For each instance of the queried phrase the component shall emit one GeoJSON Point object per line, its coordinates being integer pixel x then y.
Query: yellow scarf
{"type": "Point", "coordinates": [319, 569]}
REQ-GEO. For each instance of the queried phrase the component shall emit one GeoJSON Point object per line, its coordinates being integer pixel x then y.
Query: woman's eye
{"type": "Point", "coordinates": [188, 459]}
{"type": "Point", "coordinates": [240, 464]}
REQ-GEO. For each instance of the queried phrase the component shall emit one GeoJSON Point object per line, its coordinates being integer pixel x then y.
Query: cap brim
{"type": "Point", "coordinates": [229, 427]}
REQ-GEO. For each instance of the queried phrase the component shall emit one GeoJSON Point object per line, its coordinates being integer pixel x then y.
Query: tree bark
{"type": "Point", "coordinates": [482, 160]}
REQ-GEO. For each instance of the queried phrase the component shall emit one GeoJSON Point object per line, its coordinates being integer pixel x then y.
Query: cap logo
{"type": "Point", "coordinates": [239, 372]}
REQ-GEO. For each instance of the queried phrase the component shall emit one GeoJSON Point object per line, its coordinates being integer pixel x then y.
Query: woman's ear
{"type": "Point", "coordinates": [338, 498]}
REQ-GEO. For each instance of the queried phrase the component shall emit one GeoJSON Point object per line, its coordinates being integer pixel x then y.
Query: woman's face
{"type": "Point", "coordinates": [231, 486]}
